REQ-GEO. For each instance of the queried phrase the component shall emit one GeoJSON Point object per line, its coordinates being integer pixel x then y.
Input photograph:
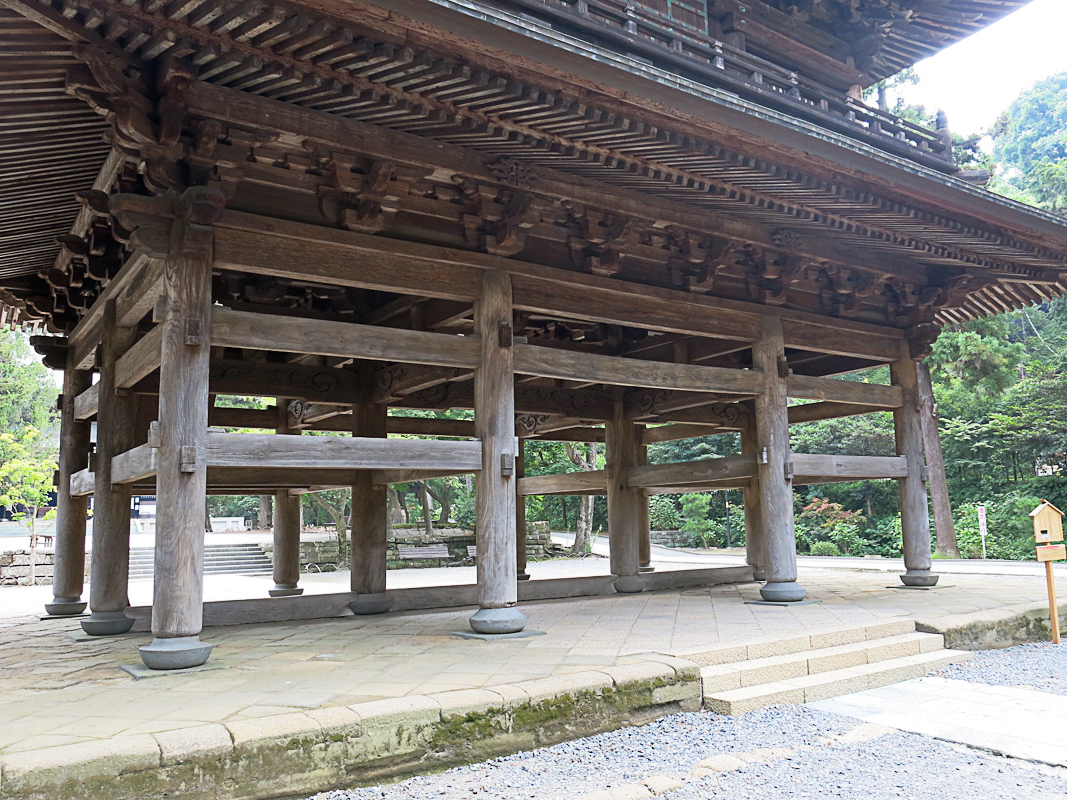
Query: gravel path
{"type": "Point", "coordinates": [1041, 666]}
{"type": "Point", "coordinates": [783, 752]}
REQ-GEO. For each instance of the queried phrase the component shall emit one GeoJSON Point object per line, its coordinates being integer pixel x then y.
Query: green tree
{"type": "Point", "coordinates": [695, 522]}
{"type": "Point", "coordinates": [26, 482]}
{"type": "Point", "coordinates": [27, 391]}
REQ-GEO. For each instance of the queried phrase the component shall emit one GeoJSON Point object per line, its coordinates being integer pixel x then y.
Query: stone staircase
{"type": "Point", "coordinates": [219, 559]}
{"type": "Point", "coordinates": [810, 667]}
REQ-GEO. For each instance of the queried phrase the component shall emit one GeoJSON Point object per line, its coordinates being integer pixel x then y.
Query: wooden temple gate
{"type": "Point", "coordinates": [291, 211]}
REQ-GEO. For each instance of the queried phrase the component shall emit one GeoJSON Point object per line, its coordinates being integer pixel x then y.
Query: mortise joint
{"type": "Point", "coordinates": [783, 367]}
{"type": "Point", "coordinates": [788, 470]}
{"type": "Point", "coordinates": [159, 310]}
{"type": "Point", "coordinates": [505, 333]}
{"type": "Point", "coordinates": [194, 333]}
{"type": "Point", "coordinates": [507, 464]}
{"type": "Point", "coordinates": [189, 458]}
{"type": "Point", "coordinates": [155, 435]}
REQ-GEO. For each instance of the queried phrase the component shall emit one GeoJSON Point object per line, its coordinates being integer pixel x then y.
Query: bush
{"type": "Point", "coordinates": [695, 522]}
{"type": "Point", "coordinates": [823, 521]}
{"type": "Point", "coordinates": [663, 513]}
{"type": "Point", "coordinates": [825, 549]}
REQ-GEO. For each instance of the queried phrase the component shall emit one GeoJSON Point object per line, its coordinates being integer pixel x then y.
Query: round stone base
{"type": "Point", "coordinates": [284, 590]}
{"type": "Point", "coordinates": [366, 604]}
{"type": "Point", "coordinates": [629, 584]}
{"type": "Point", "coordinates": [919, 577]}
{"type": "Point", "coordinates": [182, 652]}
{"type": "Point", "coordinates": [107, 623]}
{"type": "Point", "coordinates": [65, 606]}
{"type": "Point", "coordinates": [789, 592]}
{"type": "Point", "coordinates": [498, 620]}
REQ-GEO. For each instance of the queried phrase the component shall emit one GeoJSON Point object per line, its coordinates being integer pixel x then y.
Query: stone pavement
{"type": "Point", "coordinates": [1010, 720]}
{"type": "Point", "coordinates": [55, 691]}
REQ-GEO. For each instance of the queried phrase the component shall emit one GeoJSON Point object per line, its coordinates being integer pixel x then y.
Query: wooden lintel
{"type": "Point", "coordinates": [386, 477]}
{"type": "Point", "coordinates": [254, 331]}
{"type": "Point", "coordinates": [818, 468]}
{"type": "Point", "coordinates": [82, 483]}
{"type": "Point", "coordinates": [811, 412]}
{"type": "Point", "coordinates": [688, 473]}
{"type": "Point", "coordinates": [807, 387]}
{"type": "Point", "coordinates": [86, 403]}
{"type": "Point", "coordinates": [340, 452]}
{"type": "Point", "coordinates": [569, 365]}
{"type": "Point", "coordinates": [134, 465]}
{"type": "Point", "coordinates": [398, 380]}
{"type": "Point", "coordinates": [586, 482]}
{"type": "Point", "coordinates": [139, 361]}
{"type": "Point", "coordinates": [677, 431]}
{"type": "Point", "coordinates": [140, 294]}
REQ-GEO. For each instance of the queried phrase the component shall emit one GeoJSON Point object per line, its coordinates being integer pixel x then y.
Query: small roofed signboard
{"type": "Point", "coordinates": [1048, 529]}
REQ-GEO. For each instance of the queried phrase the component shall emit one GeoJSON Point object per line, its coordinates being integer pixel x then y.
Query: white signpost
{"type": "Point", "coordinates": [982, 528]}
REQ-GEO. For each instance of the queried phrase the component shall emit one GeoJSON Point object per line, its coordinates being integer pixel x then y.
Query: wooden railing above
{"type": "Point", "coordinates": [657, 39]}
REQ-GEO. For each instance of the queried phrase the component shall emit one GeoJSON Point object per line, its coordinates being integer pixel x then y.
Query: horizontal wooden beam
{"type": "Point", "coordinates": [812, 412]}
{"type": "Point", "coordinates": [585, 482]}
{"type": "Point", "coordinates": [86, 403]}
{"type": "Point", "coordinates": [807, 387]}
{"type": "Point", "coordinates": [82, 483]}
{"type": "Point", "coordinates": [688, 473]}
{"type": "Point", "coordinates": [818, 468]}
{"type": "Point", "coordinates": [570, 365]}
{"type": "Point", "coordinates": [677, 431]}
{"type": "Point", "coordinates": [140, 294]}
{"type": "Point", "coordinates": [135, 464]}
{"type": "Point", "coordinates": [254, 331]}
{"type": "Point", "coordinates": [86, 334]}
{"type": "Point", "coordinates": [386, 477]}
{"type": "Point", "coordinates": [141, 360]}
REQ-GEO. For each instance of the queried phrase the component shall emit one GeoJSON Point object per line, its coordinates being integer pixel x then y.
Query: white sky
{"type": "Point", "coordinates": [975, 80]}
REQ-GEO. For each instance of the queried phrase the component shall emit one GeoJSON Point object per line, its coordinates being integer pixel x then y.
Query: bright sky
{"type": "Point", "coordinates": [975, 80]}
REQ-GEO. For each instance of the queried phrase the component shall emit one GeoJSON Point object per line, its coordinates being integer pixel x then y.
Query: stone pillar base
{"type": "Point", "coordinates": [284, 590]}
{"type": "Point", "coordinates": [498, 620]}
{"type": "Point", "coordinates": [107, 623]}
{"type": "Point", "coordinates": [919, 577]}
{"type": "Point", "coordinates": [629, 584]}
{"type": "Point", "coordinates": [65, 606]}
{"type": "Point", "coordinates": [785, 592]}
{"type": "Point", "coordinates": [366, 604]}
{"type": "Point", "coordinates": [181, 652]}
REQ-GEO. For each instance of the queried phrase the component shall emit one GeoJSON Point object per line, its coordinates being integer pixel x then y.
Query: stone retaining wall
{"type": "Point", "coordinates": [671, 539]}
{"type": "Point", "coordinates": [15, 567]}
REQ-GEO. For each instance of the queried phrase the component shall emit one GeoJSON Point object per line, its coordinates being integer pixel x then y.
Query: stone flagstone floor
{"type": "Point", "coordinates": [56, 691]}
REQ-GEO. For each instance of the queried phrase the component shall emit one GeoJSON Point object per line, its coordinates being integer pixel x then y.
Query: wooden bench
{"type": "Point", "coordinates": [429, 552]}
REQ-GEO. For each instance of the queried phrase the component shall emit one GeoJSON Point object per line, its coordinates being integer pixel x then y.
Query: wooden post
{"type": "Point", "coordinates": [773, 467]}
{"type": "Point", "coordinates": [370, 516]}
{"type": "Point", "coordinates": [181, 478]}
{"type": "Point", "coordinates": [624, 502]}
{"type": "Point", "coordinates": [1053, 610]}
{"type": "Point", "coordinates": [914, 512]}
{"type": "Point", "coordinates": [494, 421]}
{"type": "Point", "coordinates": [944, 528]}
{"type": "Point", "coordinates": [71, 512]}
{"type": "Point", "coordinates": [644, 541]}
{"type": "Point", "coordinates": [115, 419]}
{"type": "Point", "coordinates": [520, 515]}
{"type": "Point", "coordinates": [286, 526]}
{"type": "Point", "coordinates": [754, 549]}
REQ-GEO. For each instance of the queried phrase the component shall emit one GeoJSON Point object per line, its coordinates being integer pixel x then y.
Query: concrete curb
{"type": "Point", "coordinates": [302, 753]}
{"type": "Point", "coordinates": [995, 628]}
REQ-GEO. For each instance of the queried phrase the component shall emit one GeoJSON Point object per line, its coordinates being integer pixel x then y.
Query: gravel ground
{"type": "Point", "coordinates": [790, 752]}
{"type": "Point", "coordinates": [1041, 666]}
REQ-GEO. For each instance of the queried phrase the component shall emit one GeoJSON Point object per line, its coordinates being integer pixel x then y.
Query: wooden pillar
{"type": "Point", "coordinates": [370, 517]}
{"type": "Point", "coordinates": [494, 422]}
{"type": "Point", "coordinates": [624, 502]}
{"type": "Point", "coordinates": [181, 478]}
{"type": "Point", "coordinates": [914, 511]}
{"type": "Point", "coordinates": [644, 541]}
{"type": "Point", "coordinates": [115, 423]}
{"type": "Point", "coordinates": [71, 512]}
{"type": "Point", "coordinates": [286, 526]}
{"type": "Point", "coordinates": [754, 549]}
{"type": "Point", "coordinates": [520, 515]}
{"type": "Point", "coordinates": [944, 527]}
{"type": "Point", "coordinates": [772, 458]}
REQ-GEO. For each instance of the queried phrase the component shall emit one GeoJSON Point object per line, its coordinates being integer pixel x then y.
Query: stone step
{"type": "Point", "coordinates": [755, 671]}
{"type": "Point", "coordinates": [833, 683]}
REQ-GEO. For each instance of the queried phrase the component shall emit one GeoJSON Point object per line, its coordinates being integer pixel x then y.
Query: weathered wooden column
{"type": "Point", "coordinates": [181, 477]}
{"type": "Point", "coordinates": [520, 515]}
{"type": "Point", "coordinates": [71, 512]}
{"type": "Point", "coordinates": [286, 526]}
{"type": "Point", "coordinates": [370, 516]}
{"type": "Point", "coordinates": [914, 511]}
{"type": "Point", "coordinates": [754, 550]}
{"type": "Point", "coordinates": [494, 422]}
{"type": "Point", "coordinates": [944, 527]}
{"type": "Point", "coordinates": [115, 424]}
{"type": "Point", "coordinates": [624, 502]}
{"type": "Point", "coordinates": [644, 556]}
{"type": "Point", "coordinates": [772, 459]}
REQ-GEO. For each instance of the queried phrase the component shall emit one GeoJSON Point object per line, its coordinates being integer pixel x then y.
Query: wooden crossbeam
{"type": "Point", "coordinates": [253, 331]}
{"type": "Point", "coordinates": [86, 403]}
{"type": "Point", "coordinates": [586, 482]}
{"type": "Point", "coordinates": [819, 468]}
{"type": "Point", "coordinates": [812, 412]}
{"type": "Point", "coordinates": [386, 477]}
{"type": "Point", "coordinates": [139, 361]}
{"type": "Point", "coordinates": [688, 473]}
{"type": "Point", "coordinates": [139, 295]}
{"type": "Point", "coordinates": [807, 387]}
{"type": "Point", "coordinates": [82, 483]}
{"type": "Point", "coordinates": [569, 365]}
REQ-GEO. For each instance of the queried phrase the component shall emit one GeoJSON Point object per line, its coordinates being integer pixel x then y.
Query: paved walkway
{"type": "Point", "coordinates": [1011, 720]}
{"type": "Point", "coordinates": [57, 691]}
